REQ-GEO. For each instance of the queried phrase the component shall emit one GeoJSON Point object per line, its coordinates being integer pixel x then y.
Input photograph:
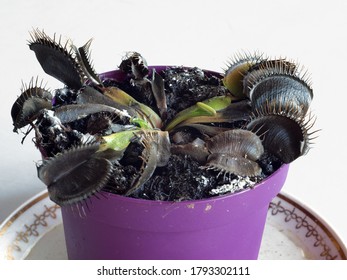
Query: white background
{"type": "Point", "coordinates": [192, 33]}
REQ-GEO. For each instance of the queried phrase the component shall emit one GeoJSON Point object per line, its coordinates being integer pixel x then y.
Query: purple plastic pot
{"type": "Point", "coordinates": [225, 227]}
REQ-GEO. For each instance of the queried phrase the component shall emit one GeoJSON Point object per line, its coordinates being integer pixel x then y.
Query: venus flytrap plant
{"type": "Point", "coordinates": [254, 119]}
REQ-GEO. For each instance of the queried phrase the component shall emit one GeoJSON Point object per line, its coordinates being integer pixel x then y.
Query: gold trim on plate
{"type": "Point", "coordinates": [312, 232]}
{"type": "Point", "coordinates": [30, 230]}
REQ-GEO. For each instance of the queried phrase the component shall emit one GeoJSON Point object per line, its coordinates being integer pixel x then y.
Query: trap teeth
{"type": "Point", "coordinates": [237, 69]}
{"type": "Point", "coordinates": [32, 100]}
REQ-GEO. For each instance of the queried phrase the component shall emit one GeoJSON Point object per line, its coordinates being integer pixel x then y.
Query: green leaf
{"type": "Point", "coordinates": [118, 141]}
{"type": "Point", "coordinates": [207, 107]}
{"type": "Point", "coordinates": [141, 123]}
{"type": "Point", "coordinates": [235, 111]}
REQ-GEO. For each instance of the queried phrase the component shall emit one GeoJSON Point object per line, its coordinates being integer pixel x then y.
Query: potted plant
{"type": "Point", "coordinates": [164, 162]}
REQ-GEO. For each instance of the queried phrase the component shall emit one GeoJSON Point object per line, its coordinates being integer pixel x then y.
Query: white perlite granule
{"type": "Point", "coordinates": [236, 185]}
